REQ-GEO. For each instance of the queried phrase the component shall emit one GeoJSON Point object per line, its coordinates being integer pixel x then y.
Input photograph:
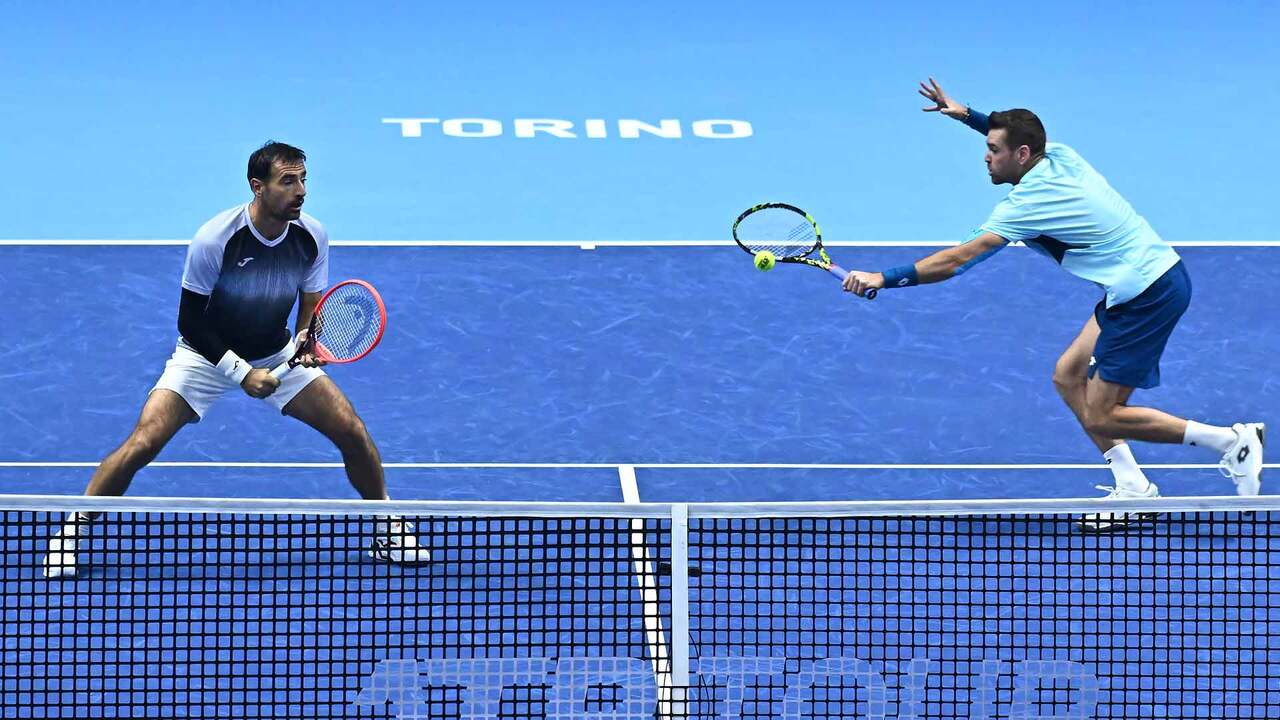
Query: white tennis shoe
{"type": "Point", "coordinates": [1242, 463]}
{"type": "Point", "coordinates": [397, 543]}
{"type": "Point", "coordinates": [60, 561]}
{"type": "Point", "coordinates": [1103, 522]}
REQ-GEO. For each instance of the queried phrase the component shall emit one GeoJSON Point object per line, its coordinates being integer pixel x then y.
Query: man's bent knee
{"type": "Point", "coordinates": [1067, 386]}
{"type": "Point", "coordinates": [349, 432]}
{"type": "Point", "coordinates": [1098, 422]}
{"type": "Point", "coordinates": [1069, 378]}
{"type": "Point", "coordinates": [141, 448]}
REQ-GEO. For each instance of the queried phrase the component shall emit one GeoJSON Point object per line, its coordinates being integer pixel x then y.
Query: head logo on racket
{"type": "Point", "coordinates": [347, 324]}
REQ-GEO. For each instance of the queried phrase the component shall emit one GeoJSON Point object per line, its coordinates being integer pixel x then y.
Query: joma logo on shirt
{"type": "Point", "coordinates": [244, 262]}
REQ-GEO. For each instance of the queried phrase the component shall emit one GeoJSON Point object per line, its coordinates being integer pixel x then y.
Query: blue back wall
{"type": "Point", "coordinates": [134, 120]}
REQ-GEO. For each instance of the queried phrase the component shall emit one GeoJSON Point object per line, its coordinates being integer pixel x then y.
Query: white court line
{"type": "Point", "coordinates": [647, 466]}
{"type": "Point", "coordinates": [627, 478]}
{"type": "Point", "coordinates": [648, 577]}
{"type": "Point", "coordinates": [584, 244]}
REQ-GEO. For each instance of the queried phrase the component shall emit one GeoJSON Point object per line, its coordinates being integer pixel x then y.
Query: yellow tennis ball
{"type": "Point", "coordinates": [764, 261]}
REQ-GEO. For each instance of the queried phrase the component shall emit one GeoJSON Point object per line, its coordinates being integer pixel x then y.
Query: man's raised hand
{"type": "Point", "coordinates": [941, 103]}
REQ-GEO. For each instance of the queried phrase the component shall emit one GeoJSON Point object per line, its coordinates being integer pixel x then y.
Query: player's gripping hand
{"type": "Point", "coordinates": [306, 353]}
{"type": "Point", "coordinates": [859, 282]}
{"type": "Point", "coordinates": [259, 383]}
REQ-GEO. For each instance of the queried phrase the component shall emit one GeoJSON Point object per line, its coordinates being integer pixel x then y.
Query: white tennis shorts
{"type": "Point", "coordinates": [200, 382]}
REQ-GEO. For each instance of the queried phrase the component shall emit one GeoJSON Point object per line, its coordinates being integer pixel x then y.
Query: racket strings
{"type": "Point", "coordinates": [777, 232]}
{"type": "Point", "coordinates": [349, 322]}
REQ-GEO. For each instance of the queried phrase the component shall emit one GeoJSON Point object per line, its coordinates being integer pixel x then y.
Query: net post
{"type": "Point", "coordinates": [646, 570]}
{"type": "Point", "coordinates": [679, 602]}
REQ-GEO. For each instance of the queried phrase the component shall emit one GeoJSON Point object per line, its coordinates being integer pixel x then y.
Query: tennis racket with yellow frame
{"type": "Point", "coordinates": [791, 234]}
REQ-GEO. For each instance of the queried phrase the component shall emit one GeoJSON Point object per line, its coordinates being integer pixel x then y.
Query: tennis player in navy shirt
{"type": "Point", "coordinates": [245, 269]}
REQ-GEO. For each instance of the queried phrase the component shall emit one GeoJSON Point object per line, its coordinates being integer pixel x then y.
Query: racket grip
{"type": "Point", "coordinates": [842, 274]}
{"type": "Point", "coordinates": [281, 370]}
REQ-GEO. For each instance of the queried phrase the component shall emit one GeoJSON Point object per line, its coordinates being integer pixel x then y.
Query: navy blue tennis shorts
{"type": "Point", "coordinates": [1134, 333]}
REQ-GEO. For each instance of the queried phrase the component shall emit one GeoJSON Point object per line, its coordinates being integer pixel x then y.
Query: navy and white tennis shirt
{"type": "Point", "coordinates": [253, 281]}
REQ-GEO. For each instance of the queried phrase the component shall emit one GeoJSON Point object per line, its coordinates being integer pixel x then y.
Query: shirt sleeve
{"type": "Point", "coordinates": [194, 327]}
{"type": "Point", "coordinates": [317, 277]}
{"type": "Point", "coordinates": [1012, 220]}
{"type": "Point", "coordinates": [979, 121]}
{"type": "Point", "coordinates": [204, 264]}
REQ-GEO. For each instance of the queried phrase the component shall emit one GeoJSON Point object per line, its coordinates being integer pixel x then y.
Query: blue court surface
{"type": "Point", "coordinates": [557, 374]}
{"type": "Point", "coordinates": [646, 356]}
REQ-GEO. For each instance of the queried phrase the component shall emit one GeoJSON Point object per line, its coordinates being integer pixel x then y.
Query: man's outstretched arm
{"type": "Point", "coordinates": [942, 265]}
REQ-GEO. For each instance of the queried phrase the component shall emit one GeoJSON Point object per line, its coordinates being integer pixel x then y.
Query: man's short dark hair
{"type": "Point", "coordinates": [1021, 127]}
{"type": "Point", "coordinates": [262, 159]}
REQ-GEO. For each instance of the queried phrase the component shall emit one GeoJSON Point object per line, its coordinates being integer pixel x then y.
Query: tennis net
{"type": "Point", "coordinates": [951, 609]}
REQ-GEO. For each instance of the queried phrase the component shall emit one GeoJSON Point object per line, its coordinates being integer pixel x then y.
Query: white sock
{"type": "Point", "coordinates": [1217, 439]}
{"type": "Point", "coordinates": [65, 539]}
{"type": "Point", "coordinates": [75, 524]}
{"type": "Point", "coordinates": [392, 525]}
{"type": "Point", "coordinates": [1125, 469]}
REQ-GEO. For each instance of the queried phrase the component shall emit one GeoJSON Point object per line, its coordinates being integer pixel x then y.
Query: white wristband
{"type": "Point", "coordinates": [234, 367]}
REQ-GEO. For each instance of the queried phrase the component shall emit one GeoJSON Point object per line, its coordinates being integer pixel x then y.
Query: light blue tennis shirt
{"type": "Point", "coordinates": [1066, 211]}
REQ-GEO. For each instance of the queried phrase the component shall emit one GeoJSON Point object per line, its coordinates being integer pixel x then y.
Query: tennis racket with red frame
{"type": "Point", "coordinates": [347, 324]}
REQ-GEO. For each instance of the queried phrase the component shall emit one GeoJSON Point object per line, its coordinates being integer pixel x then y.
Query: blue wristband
{"type": "Point", "coordinates": [978, 121]}
{"type": "Point", "coordinates": [901, 276]}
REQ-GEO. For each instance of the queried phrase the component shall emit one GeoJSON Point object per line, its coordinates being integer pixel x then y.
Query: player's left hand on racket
{"type": "Point", "coordinates": [346, 325]}
{"type": "Point", "coordinates": [304, 352]}
{"type": "Point", "coordinates": [862, 283]}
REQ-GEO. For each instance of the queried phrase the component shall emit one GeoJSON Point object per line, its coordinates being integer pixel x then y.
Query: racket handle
{"type": "Point", "coordinates": [281, 370]}
{"type": "Point", "coordinates": [842, 274]}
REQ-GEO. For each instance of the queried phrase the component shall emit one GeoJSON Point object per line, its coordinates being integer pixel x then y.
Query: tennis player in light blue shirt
{"type": "Point", "coordinates": [1062, 208]}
